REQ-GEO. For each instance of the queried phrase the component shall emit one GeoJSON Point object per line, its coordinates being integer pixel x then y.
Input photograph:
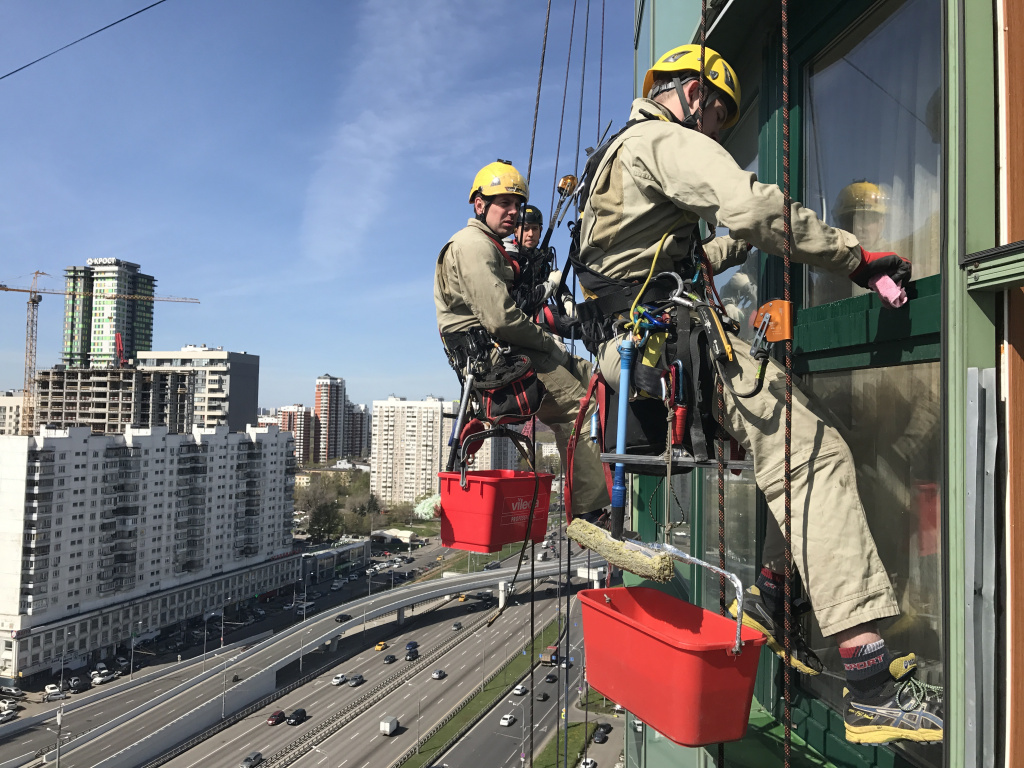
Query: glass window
{"type": "Point", "coordinates": [643, 46]}
{"type": "Point", "coordinates": [871, 136]}
{"type": "Point", "coordinates": [891, 419]}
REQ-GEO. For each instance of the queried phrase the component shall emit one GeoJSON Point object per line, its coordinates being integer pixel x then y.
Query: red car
{"type": "Point", "coordinates": [275, 718]}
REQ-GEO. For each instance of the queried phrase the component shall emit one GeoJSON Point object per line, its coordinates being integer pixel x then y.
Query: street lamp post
{"type": "Point", "coordinates": [131, 664]}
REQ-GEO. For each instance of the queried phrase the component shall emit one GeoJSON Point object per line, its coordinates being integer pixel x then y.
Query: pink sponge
{"type": "Point", "coordinates": [892, 295]}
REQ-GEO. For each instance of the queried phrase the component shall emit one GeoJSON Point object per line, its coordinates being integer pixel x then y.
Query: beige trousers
{"type": "Point", "coordinates": [832, 546]}
{"type": "Point", "coordinates": [566, 385]}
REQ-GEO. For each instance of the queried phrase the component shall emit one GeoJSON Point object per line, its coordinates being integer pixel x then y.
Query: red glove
{"type": "Point", "coordinates": [872, 264]}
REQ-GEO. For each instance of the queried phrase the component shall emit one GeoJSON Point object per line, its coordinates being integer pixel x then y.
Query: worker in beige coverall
{"type": "Point", "coordinates": [471, 290]}
{"type": "Point", "coordinates": [664, 174]}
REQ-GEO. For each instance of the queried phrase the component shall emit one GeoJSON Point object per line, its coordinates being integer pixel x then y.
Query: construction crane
{"type": "Point", "coordinates": [31, 331]}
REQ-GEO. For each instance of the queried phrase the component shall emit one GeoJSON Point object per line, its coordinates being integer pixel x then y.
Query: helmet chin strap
{"type": "Point", "coordinates": [689, 118]}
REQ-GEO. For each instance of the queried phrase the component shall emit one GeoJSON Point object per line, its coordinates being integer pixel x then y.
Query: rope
{"type": "Point", "coordinates": [561, 120]}
{"type": "Point", "coordinates": [600, 77]}
{"type": "Point", "coordinates": [536, 103]}
{"type": "Point", "coordinates": [787, 467]}
{"type": "Point", "coordinates": [583, 81]}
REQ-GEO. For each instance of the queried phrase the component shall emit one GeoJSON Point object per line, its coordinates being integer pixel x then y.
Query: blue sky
{"type": "Point", "coordinates": [296, 166]}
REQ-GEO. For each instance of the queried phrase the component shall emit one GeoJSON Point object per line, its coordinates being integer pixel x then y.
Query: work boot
{"type": "Point", "coordinates": [772, 624]}
{"type": "Point", "coordinates": [904, 708]}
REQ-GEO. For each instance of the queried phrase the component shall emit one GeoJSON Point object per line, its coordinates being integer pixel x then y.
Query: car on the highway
{"type": "Point", "coordinates": [7, 716]}
{"type": "Point", "coordinates": [342, 617]}
{"type": "Point", "coordinates": [10, 690]}
{"type": "Point", "coordinates": [339, 679]}
{"type": "Point", "coordinates": [296, 717]}
{"type": "Point", "coordinates": [380, 646]}
{"type": "Point", "coordinates": [251, 760]}
{"type": "Point", "coordinates": [493, 565]}
{"type": "Point", "coordinates": [471, 608]}
{"type": "Point", "coordinates": [390, 659]}
{"type": "Point", "coordinates": [550, 677]}
{"type": "Point", "coordinates": [412, 654]}
{"type": "Point", "coordinates": [438, 674]}
{"type": "Point", "coordinates": [354, 680]}
{"type": "Point", "coordinates": [336, 585]}
{"type": "Point", "coordinates": [353, 577]}
{"type": "Point", "coordinates": [276, 717]}
{"type": "Point", "coordinates": [520, 690]}
{"type": "Point", "coordinates": [507, 720]}
{"type": "Point", "coordinates": [456, 626]}
{"type": "Point", "coordinates": [259, 612]}
{"type": "Point", "coordinates": [541, 696]}
{"type": "Point", "coordinates": [566, 664]}
{"type": "Point", "coordinates": [288, 606]}
{"type": "Point", "coordinates": [314, 595]}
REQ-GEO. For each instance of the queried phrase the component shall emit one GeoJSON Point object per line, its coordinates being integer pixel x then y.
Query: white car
{"type": "Point", "coordinates": [520, 690]}
{"type": "Point", "coordinates": [507, 720]}
{"type": "Point", "coordinates": [51, 689]}
{"type": "Point", "coordinates": [336, 585]}
{"type": "Point", "coordinates": [9, 705]}
{"type": "Point", "coordinates": [103, 677]}
{"type": "Point", "coordinates": [7, 716]}
{"type": "Point", "coordinates": [438, 674]}
{"type": "Point", "coordinates": [588, 762]}
{"type": "Point", "coordinates": [339, 679]}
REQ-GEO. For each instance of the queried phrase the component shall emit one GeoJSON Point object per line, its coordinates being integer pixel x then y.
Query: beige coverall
{"type": "Point", "coordinates": [656, 172]}
{"type": "Point", "coordinates": [471, 289]}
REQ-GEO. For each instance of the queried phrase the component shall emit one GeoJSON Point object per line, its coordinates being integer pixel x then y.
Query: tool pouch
{"type": "Point", "coordinates": [509, 392]}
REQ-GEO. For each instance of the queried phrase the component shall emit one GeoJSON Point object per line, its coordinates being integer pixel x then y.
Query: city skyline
{"type": "Point", "coordinates": [225, 171]}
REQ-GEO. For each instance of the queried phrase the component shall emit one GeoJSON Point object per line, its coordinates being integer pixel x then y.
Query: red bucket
{"type": "Point", "coordinates": [493, 510]}
{"type": "Point", "coordinates": [669, 662]}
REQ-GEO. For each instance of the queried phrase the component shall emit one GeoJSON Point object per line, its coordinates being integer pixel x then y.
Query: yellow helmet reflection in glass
{"type": "Point", "coordinates": [717, 73]}
{"type": "Point", "coordinates": [499, 178]}
{"type": "Point", "coordinates": [860, 197]}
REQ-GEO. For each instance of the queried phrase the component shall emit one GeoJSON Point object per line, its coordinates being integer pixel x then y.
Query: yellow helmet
{"type": "Point", "coordinates": [717, 73]}
{"type": "Point", "coordinates": [861, 196]}
{"type": "Point", "coordinates": [499, 178]}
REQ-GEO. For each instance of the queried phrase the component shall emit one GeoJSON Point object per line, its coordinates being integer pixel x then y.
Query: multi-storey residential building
{"type": "Point", "coordinates": [111, 400]}
{"type": "Point", "coordinates": [11, 401]}
{"type": "Point", "coordinates": [406, 448]}
{"type": "Point", "coordinates": [227, 384]}
{"type": "Point", "coordinates": [103, 533]}
{"type": "Point", "coordinates": [329, 407]}
{"type": "Point", "coordinates": [93, 315]}
{"type": "Point", "coordinates": [304, 425]}
{"type": "Point", "coordinates": [357, 430]}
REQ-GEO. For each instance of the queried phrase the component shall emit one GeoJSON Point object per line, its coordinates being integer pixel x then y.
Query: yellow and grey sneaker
{"type": "Point", "coordinates": [902, 709]}
{"type": "Point", "coordinates": [771, 623]}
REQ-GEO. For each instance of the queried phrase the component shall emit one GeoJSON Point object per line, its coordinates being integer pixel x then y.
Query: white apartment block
{"type": "Point", "coordinates": [11, 401]}
{"type": "Point", "coordinates": [407, 448]}
{"type": "Point", "coordinates": [226, 383]}
{"type": "Point", "coordinates": [100, 534]}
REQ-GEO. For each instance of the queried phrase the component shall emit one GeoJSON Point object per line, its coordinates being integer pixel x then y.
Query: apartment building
{"type": "Point", "coordinates": [111, 400]}
{"type": "Point", "coordinates": [226, 384]}
{"type": "Point", "coordinates": [407, 448]}
{"type": "Point", "coordinates": [305, 426]}
{"type": "Point", "coordinates": [96, 310]}
{"type": "Point", "coordinates": [357, 430]}
{"type": "Point", "coordinates": [103, 533]}
{"type": "Point", "coordinates": [329, 406]}
{"type": "Point", "coordinates": [11, 401]}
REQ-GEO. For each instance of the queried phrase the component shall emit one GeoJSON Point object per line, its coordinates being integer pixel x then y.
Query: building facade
{"type": "Point", "coordinates": [406, 448]}
{"type": "Point", "coordinates": [357, 430]}
{"type": "Point", "coordinates": [96, 310]}
{"type": "Point", "coordinates": [305, 426]}
{"type": "Point", "coordinates": [329, 407]}
{"type": "Point", "coordinates": [11, 402]}
{"type": "Point", "coordinates": [112, 400]}
{"type": "Point", "coordinates": [922, 100]}
{"type": "Point", "coordinates": [226, 384]}
{"type": "Point", "coordinates": [103, 533]}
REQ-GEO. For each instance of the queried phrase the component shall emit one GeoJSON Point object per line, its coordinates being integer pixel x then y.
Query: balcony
{"type": "Point", "coordinates": [122, 452]}
{"type": "Point", "coordinates": [126, 511]}
{"type": "Point", "coordinates": [125, 557]}
{"type": "Point", "coordinates": [38, 550]}
{"type": "Point", "coordinates": [42, 456]}
{"type": "Point", "coordinates": [36, 499]}
{"type": "Point", "coordinates": [106, 587]}
{"type": "Point", "coordinates": [37, 471]}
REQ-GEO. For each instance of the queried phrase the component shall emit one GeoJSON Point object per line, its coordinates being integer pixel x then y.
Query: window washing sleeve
{"type": "Point", "coordinates": [725, 252]}
{"type": "Point", "coordinates": [482, 280]}
{"type": "Point", "coordinates": [699, 175]}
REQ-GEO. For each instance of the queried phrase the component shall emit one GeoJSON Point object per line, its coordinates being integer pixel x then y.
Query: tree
{"type": "Point", "coordinates": [320, 500]}
{"type": "Point", "coordinates": [324, 522]}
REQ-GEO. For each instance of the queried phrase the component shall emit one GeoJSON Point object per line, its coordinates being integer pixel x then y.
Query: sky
{"type": "Point", "coordinates": [295, 166]}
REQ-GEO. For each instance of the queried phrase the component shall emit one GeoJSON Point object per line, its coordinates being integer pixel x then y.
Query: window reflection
{"type": "Point", "coordinates": [892, 421]}
{"type": "Point", "coordinates": [872, 133]}
{"type": "Point", "coordinates": [740, 531]}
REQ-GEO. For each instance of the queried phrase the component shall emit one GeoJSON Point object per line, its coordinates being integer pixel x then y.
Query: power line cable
{"type": "Point", "coordinates": [86, 37]}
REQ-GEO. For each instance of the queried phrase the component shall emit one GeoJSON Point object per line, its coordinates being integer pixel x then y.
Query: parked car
{"type": "Point", "coordinates": [588, 762]}
{"type": "Point", "coordinates": [605, 728]}
{"type": "Point", "coordinates": [77, 683]}
{"type": "Point", "coordinates": [55, 696]}
{"type": "Point", "coordinates": [339, 679]}
{"type": "Point", "coordinates": [389, 659]}
{"type": "Point", "coordinates": [276, 717]}
{"type": "Point", "coordinates": [600, 737]}
{"type": "Point", "coordinates": [520, 690]}
{"type": "Point", "coordinates": [314, 595]}
{"type": "Point", "coordinates": [259, 613]}
{"type": "Point", "coordinates": [10, 690]}
{"type": "Point", "coordinates": [355, 679]}
{"type": "Point", "coordinates": [507, 720]}
{"type": "Point", "coordinates": [9, 705]}
{"type": "Point", "coordinates": [342, 617]}
{"type": "Point", "coordinates": [7, 716]}
{"type": "Point", "coordinates": [438, 674]}
{"type": "Point", "coordinates": [122, 662]}
{"type": "Point", "coordinates": [296, 717]}
{"type": "Point", "coordinates": [51, 688]}
{"type": "Point", "coordinates": [251, 760]}
{"type": "Point", "coordinates": [353, 577]}
{"type": "Point", "coordinates": [103, 677]}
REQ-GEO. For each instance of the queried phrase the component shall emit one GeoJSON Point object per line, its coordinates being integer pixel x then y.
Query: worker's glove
{"type": "Point", "coordinates": [877, 264]}
{"type": "Point", "coordinates": [551, 284]}
{"type": "Point", "coordinates": [735, 314]}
